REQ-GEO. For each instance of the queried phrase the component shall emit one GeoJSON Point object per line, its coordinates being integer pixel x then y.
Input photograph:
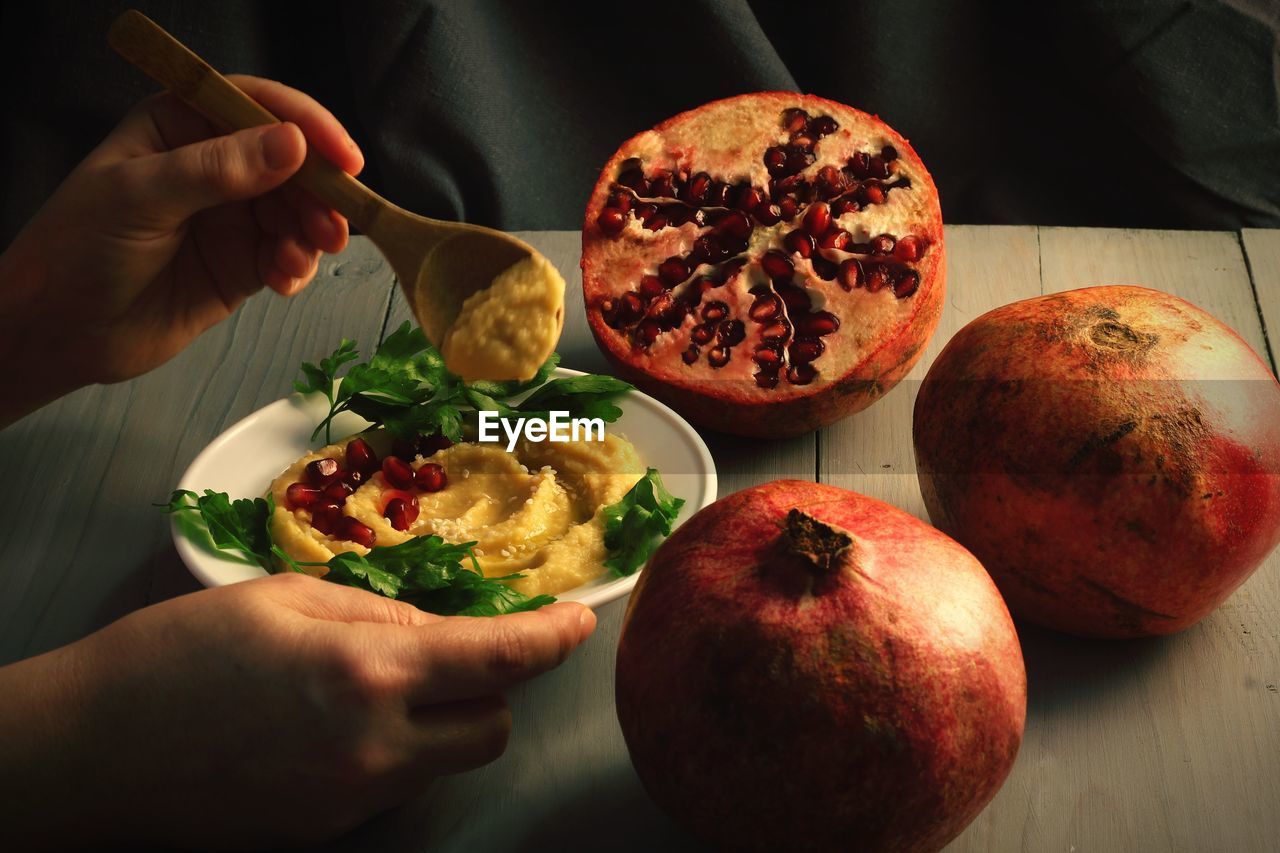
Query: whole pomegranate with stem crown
{"type": "Point", "coordinates": [805, 668]}
{"type": "Point", "coordinates": [1111, 455]}
{"type": "Point", "coordinates": [766, 264]}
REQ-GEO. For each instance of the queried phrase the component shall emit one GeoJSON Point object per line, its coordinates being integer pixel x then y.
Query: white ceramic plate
{"type": "Point", "coordinates": [245, 459]}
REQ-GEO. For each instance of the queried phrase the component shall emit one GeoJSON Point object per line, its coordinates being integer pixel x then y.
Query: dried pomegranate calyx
{"type": "Point", "coordinates": [825, 546]}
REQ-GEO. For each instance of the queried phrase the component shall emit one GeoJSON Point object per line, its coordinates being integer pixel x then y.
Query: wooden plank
{"type": "Point", "coordinates": [1163, 743]}
{"type": "Point", "coordinates": [871, 452]}
{"type": "Point", "coordinates": [1262, 250]}
{"type": "Point", "coordinates": [82, 544]}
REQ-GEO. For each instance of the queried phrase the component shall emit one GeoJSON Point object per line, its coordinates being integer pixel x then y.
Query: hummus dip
{"type": "Point", "coordinates": [535, 511]}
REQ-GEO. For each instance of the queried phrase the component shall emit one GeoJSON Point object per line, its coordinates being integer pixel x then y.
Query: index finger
{"type": "Point", "coordinates": [321, 128]}
{"type": "Point", "coordinates": [462, 657]}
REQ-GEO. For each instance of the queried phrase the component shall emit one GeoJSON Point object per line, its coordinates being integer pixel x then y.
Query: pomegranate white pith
{"type": "Point", "coordinates": [767, 263]}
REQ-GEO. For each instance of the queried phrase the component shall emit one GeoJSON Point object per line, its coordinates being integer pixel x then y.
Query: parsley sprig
{"type": "Point", "coordinates": [406, 388]}
{"type": "Point", "coordinates": [425, 571]}
{"type": "Point", "coordinates": [637, 524]}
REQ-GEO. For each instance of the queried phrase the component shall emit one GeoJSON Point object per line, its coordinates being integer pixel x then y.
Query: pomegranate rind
{"type": "Point", "coordinates": [769, 707]}
{"type": "Point", "coordinates": [1110, 454]}
{"type": "Point", "coordinates": [882, 337]}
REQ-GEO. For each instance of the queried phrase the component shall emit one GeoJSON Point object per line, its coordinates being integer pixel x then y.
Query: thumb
{"type": "Point", "coordinates": [223, 169]}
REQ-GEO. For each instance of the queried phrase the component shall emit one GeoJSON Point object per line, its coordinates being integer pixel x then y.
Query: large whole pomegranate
{"type": "Point", "coordinates": [805, 668]}
{"type": "Point", "coordinates": [766, 264]}
{"type": "Point", "coordinates": [1111, 455]}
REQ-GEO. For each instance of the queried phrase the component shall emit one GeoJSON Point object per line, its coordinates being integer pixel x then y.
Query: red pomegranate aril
{"type": "Point", "coordinates": [883, 244]}
{"type": "Point", "coordinates": [775, 160]}
{"type": "Point", "coordinates": [612, 221]}
{"type": "Point", "coordinates": [841, 206]}
{"type": "Point", "coordinates": [735, 224]}
{"type": "Point", "coordinates": [713, 311]}
{"type": "Point", "coordinates": [858, 163]}
{"type": "Point", "coordinates": [825, 269]}
{"type": "Point", "coordinates": [776, 333]}
{"type": "Point", "coordinates": [767, 214]}
{"type": "Point", "coordinates": [620, 201]}
{"type": "Point", "coordinates": [355, 479]}
{"type": "Point", "coordinates": [889, 153]}
{"type": "Point", "coordinates": [823, 126]}
{"type": "Point", "coordinates": [656, 222]}
{"type": "Point", "coordinates": [661, 186]}
{"type": "Point", "coordinates": [795, 120]}
{"type": "Point", "coordinates": [795, 298]}
{"type": "Point", "coordinates": [818, 323]}
{"type": "Point", "coordinates": [777, 266]}
{"type": "Point", "coordinates": [801, 374]}
{"type": "Point", "coordinates": [651, 286]}
{"type": "Point", "coordinates": [788, 207]}
{"type": "Point", "coordinates": [817, 219]}
{"type": "Point", "coordinates": [910, 248]}
{"type": "Point", "coordinates": [355, 531]}
{"type": "Point", "coordinates": [837, 239]}
{"type": "Point", "coordinates": [646, 211]}
{"type": "Point", "coordinates": [337, 492]}
{"type": "Point", "coordinates": [690, 354]}
{"type": "Point", "coordinates": [830, 182]}
{"type": "Point", "coordinates": [630, 306]}
{"type": "Point", "coordinates": [800, 243]}
{"type": "Point", "coordinates": [397, 472]}
{"type": "Point", "coordinates": [906, 284]}
{"type": "Point", "coordinates": [718, 195]}
{"type": "Point", "coordinates": [765, 308]}
{"type": "Point", "coordinates": [649, 331]}
{"type": "Point", "coordinates": [805, 350]}
{"type": "Point", "coordinates": [731, 332]}
{"type": "Point", "coordinates": [322, 472]}
{"type": "Point", "coordinates": [870, 193]}
{"type": "Point", "coordinates": [767, 356]}
{"type": "Point", "coordinates": [798, 159]}
{"type": "Point", "coordinates": [803, 142]}
{"type": "Point", "coordinates": [877, 168]}
{"type": "Point", "coordinates": [401, 514]}
{"type": "Point", "coordinates": [324, 518]}
{"type": "Point", "coordinates": [633, 179]}
{"type": "Point", "coordinates": [702, 334]}
{"type": "Point", "coordinates": [431, 477]}
{"type": "Point", "coordinates": [301, 496]}
{"type": "Point", "coordinates": [404, 448]}
{"type": "Point", "coordinates": [749, 198]}
{"type": "Point", "coordinates": [850, 274]}
{"type": "Point", "coordinates": [678, 214]}
{"type": "Point", "coordinates": [361, 457]}
{"type": "Point", "coordinates": [718, 357]}
{"type": "Point", "coordinates": [877, 277]}
{"type": "Point", "coordinates": [696, 191]}
{"type": "Point", "coordinates": [766, 378]}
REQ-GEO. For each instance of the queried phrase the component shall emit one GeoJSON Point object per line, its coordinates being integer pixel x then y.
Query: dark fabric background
{"type": "Point", "coordinates": [1158, 113]}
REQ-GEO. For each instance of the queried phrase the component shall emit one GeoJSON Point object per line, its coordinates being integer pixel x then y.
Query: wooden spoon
{"type": "Point", "coordinates": [439, 264]}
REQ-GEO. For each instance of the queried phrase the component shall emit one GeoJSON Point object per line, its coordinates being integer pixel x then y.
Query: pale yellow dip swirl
{"type": "Point", "coordinates": [507, 330]}
{"type": "Point", "coordinates": [535, 511]}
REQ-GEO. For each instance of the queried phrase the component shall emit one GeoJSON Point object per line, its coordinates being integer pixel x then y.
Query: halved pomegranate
{"type": "Point", "coordinates": [766, 264]}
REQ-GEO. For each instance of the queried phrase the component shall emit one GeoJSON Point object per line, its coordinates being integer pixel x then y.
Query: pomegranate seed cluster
{"type": "Point", "coordinates": [791, 329]}
{"type": "Point", "coordinates": [328, 483]}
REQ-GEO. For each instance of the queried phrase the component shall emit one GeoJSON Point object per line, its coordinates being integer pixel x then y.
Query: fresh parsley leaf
{"type": "Point", "coordinates": [589, 396]}
{"type": "Point", "coordinates": [321, 378]}
{"type": "Point", "coordinates": [239, 525]}
{"type": "Point", "coordinates": [635, 525]}
{"type": "Point", "coordinates": [516, 386]}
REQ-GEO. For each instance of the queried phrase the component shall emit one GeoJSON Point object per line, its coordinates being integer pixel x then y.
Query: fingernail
{"type": "Point", "coordinates": [278, 147]}
{"type": "Point", "coordinates": [586, 622]}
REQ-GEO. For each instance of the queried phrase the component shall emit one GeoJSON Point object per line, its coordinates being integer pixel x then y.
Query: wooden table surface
{"type": "Point", "coordinates": [1164, 744]}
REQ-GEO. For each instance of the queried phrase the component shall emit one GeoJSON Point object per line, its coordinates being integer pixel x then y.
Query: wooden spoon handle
{"type": "Point", "coordinates": [171, 64]}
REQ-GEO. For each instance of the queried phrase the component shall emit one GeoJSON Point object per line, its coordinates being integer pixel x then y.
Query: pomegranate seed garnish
{"type": "Point", "coordinates": [801, 374]}
{"type": "Point", "coordinates": [337, 492]}
{"type": "Point", "coordinates": [612, 221]}
{"type": "Point", "coordinates": [397, 472]}
{"type": "Point", "coordinates": [850, 274]}
{"type": "Point", "coordinates": [735, 224]}
{"type": "Point", "coordinates": [432, 477]}
{"type": "Point", "coordinates": [767, 214]}
{"type": "Point", "coordinates": [823, 126]}
{"type": "Point", "coordinates": [713, 311]}
{"type": "Point", "coordinates": [702, 334]}
{"type": "Point", "coordinates": [910, 248]}
{"type": "Point", "coordinates": [690, 355]}
{"type": "Point", "coordinates": [765, 308]}
{"type": "Point", "coordinates": [673, 270]}
{"type": "Point", "coordinates": [301, 496]}
{"type": "Point", "coordinates": [355, 531]}
{"type": "Point", "coordinates": [818, 323]}
{"type": "Point", "coordinates": [825, 269]}
{"type": "Point", "coordinates": [401, 514]}
{"type": "Point", "coordinates": [777, 266]}
{"type": "Point", "coordinates": [404, 448]}
{"type": "Point", "coordinates": [429, 444]}
{"type": "Point", "coordinates": [889, 153]}
{"type": "Point", "coordinates": [322, 472]}
{"type": "Point", "coordinates": [767, 356]}
{"type": "Point", "coordinates": [388, 495]}
{"type": "Point", "coordinates": [360, 456]}
{"type": "Point", "coordinates": [731, 332]}
{"type": "Point", "coordinates": [805, 350]}
{"type": "Point", "coordinates": [718, 357]}
{"type": "Point", "coordinates": [877, 277]}
{"type": "Point", "coordinates": [324, 518]}
{"type": "Point", "coordinates": [650, 286]}
{"type": "Point", "coordinates": [817, 219]}
{"type": "Point", "coordinates": [800, 243]}
{"type": "Point", "coordinates": [795, 120]}
{"type": "Point", "coordinates": [882, 244]}
{"type": "Point", "coordinates": [906, 284]}
{"type": "Point", "coordinates": [355, 479]}
{"type": "Point", "coordinates": [837, 239]}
